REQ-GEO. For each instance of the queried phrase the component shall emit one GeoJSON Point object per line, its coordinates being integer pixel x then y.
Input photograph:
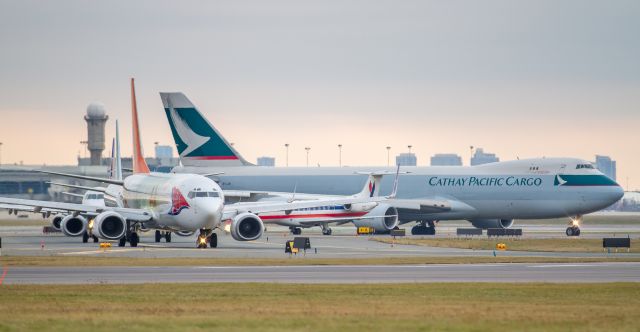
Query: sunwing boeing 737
{"type": "Point", "coordinates": [489, 196]}
{"type": "Point", "coordinates": [176, 202]}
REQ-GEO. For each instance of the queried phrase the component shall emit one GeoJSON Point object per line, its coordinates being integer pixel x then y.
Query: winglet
{"type": "Point", "coordinates": [139, 164]}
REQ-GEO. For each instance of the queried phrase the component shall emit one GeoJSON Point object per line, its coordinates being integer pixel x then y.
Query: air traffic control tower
{"type": "Point", "coordinates": [96, 119]}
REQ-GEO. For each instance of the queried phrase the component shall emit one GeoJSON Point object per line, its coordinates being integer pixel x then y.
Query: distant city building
{"type": "Point", "coordinates": [266, 161]}
{"type": "Point", "coordinates": [406, 159]}
{"type": "Point", "coordinates": [446, 159]}
{"type": "Point", "coordinates": [164, 152]}
{"type": "Point", "coordinates": [606, 166]}
{"type": "Point", "coordinates": [480, 157]}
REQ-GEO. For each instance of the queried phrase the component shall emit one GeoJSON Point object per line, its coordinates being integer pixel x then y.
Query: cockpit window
{"type": "Point", "coordinates": [193, 194]}
{"type": "Point", "coordinates": [581, 166]}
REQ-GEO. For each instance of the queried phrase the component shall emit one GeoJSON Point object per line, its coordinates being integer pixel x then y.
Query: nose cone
{"type": "Point", "coordinates": [616, 193]}
{"type": "Point", "coordinates": [210, 211]}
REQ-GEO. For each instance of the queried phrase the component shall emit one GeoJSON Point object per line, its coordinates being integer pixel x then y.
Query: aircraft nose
{"type": "Point", "coordinates": [617, 192]}
{"type": "Point", "coordinates": [211, 211]}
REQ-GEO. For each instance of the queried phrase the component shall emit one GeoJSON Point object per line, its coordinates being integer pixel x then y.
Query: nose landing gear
{"type": "Point", "coordinates": [207, 236]}
{"type": "Point", "coordinates": [574, 226]}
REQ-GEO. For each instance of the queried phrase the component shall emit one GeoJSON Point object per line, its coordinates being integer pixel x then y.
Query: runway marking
{"type": "Point", "coordinates": [5, 269]}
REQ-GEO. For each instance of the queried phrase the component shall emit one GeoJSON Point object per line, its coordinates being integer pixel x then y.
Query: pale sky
{"type": "Point", "coordinates": [518, 78]}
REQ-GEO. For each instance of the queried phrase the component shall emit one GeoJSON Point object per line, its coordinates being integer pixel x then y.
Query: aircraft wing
{"type": "Point", "coordinates": [343, 220]}
{"type": "Point", "coordinates": [39, 206]}
{"type": "Point", "coordinates": [230, 210]}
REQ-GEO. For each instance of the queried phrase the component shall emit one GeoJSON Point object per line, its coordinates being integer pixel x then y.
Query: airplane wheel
{"type": "Point", "coordinates": [95, 239]}
{"type": "Point", "coordinates": [213, 240]}
{"type": "Point", "coordinates": [134, 239]}
{"type": "Point", "coordinates": [85, 237]}
{"type": "Point", "coordinates": [158, 236]}
{"type": "Point", "coordinates": [576, 232]}
{"type": "Point", "coordinates": [297, 231]}
{"type": "Point", "coordinates": [569, 231]}
{"type": "Point", "coordinates": [122, 242]}
{"type": "Point", "coordinates": [167, 237]}
{"type": "Point", "coordinates": [326, 231]}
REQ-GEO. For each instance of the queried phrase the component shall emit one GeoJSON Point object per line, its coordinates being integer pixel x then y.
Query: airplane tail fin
{"type": "Point", "coordinates": [139, 164]}
{"type": "Point", "coordinates": [197, 141]}
{"type": "Point", "coordinates": [117, 158]}
{"type": "Point", "coordinates": [372, 186]}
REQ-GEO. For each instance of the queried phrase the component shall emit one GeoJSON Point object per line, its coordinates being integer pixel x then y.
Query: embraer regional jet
{"type": "Point", "coordinates": [181, 202]}
{"type": "Point", "coordinates": [489, 196]}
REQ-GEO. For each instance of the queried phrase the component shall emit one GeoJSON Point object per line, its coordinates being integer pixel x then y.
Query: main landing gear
{"type": "Point", "coordinates": [207, 236]}
{"type": "Point", "coordinates": [86, 237]}
{"type": "Point", "coordinates": [160, 235]}
{"type": "Point", "coordinates": [131, 236]}
{"type": "Point", "coordinates": [574, 226]}
{"type": "Point", "coordinates": [133, 239]}
{"type": "Point", "coordinates": [326, 230]}
{"type": "Point", "coordinates": [424, 228]}
{"type": "Point", "coordinates": [296, 230]}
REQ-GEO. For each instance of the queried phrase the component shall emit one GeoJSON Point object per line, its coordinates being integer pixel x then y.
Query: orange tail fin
{"type": "Point", "coordinates": [139, 164]}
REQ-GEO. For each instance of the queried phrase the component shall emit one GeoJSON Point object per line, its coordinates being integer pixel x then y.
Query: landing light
{"type": "Point", "coordinates": [202, 240]}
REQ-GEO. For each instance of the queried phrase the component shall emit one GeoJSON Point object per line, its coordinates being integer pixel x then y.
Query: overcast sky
{"type": "Point", "coordinates": [518, 78]}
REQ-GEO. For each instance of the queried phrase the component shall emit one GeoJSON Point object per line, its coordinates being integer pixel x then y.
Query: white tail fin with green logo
{"type": "Point", "coordinates": [197, 141]}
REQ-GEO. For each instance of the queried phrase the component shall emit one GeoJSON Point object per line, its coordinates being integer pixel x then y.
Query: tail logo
{"type": "Point", "coordinates": [178, 202]}
{"type": "Point", "coordinates": [372, 188]}
{"type": "Point", "coordinates": [188, 136]}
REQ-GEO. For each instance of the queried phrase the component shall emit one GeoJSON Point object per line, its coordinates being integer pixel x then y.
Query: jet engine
{"type": "Point", "coordinates": [185, 233]}
{"type": "Point", "coordinates": [55, 222]}
{"type": "Point", "coordinates": [246, 227]}
{"type": "Point", "coordinates": [386, 219]}
{"type": "Point", "coordinates": [73, 225]}
{"type": "Point", "coordinates": [491, 223]}
{"type": "Point", "coordinates": [360, 207]}
{"type": "Point", "coordinates": [109, 225]}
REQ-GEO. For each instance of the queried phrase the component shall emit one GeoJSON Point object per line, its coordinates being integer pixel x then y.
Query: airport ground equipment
{"type": "Point", "coordinates": [616, 242]}
{"type": "Point", "coordinates": [504, 232]}
{"type": "Point", "coordinates": [50, 229]}
{"type": "Point", "coordinates": [468, 231]}
{"type": "Point", "coordinates": [365, 230]}
{"type": "Point", "coordinates": [398, 232]}
{"type": "Point", "coordinates": [302, 243]}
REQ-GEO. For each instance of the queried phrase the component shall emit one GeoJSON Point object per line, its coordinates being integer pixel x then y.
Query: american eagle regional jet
{"type": "Point", "coordinates": [188, 202]}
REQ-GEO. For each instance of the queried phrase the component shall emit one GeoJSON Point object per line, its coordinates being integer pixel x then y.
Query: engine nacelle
{"type": "Point", "coordinates": [360, 207]}
{"type": "Point", "coordinates": [246, 227]}
{"type": "Point", "coordinates": [109, 225]}
{"type": "Point", "coordinates": [491, 223]}
{"type": "Point", "coordinates": [73, 225]}
{"type": "Point", "coordinates": [185, 233]}
{"type": "Point", "coordinates": [386, 219]}
{"type": "Point", "coordinates": [55, 222]}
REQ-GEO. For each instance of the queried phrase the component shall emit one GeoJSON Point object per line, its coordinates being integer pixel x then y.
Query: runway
{"type": "Point", "coordinates": [554, 273]}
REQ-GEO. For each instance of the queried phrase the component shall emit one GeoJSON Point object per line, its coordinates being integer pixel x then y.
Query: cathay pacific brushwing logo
{"type": "Point", "coordinates": [559, 181]}
{"type": "Point", "coordinates": [188, 136]}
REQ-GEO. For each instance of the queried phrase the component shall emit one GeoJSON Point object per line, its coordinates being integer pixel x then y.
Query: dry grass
{"type": "Point", "coordinates": [127, 261]}
{"type": "Point", "coordinates": [552, 245]}
{"type": "Point", "coordinates": [278, 307]}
